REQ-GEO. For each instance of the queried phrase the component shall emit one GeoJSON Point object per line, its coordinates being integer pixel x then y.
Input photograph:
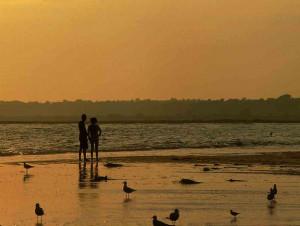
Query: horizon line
{"type": "Point", "coordinates": [148, 99]}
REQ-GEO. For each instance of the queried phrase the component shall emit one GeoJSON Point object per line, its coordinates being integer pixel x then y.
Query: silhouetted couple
{"type": "Point", "coordinates": [93, 134]}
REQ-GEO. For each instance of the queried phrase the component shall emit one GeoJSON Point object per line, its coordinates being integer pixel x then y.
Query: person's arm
{"type": "Point", "coordinates": [89, 133]}
{"type": "Point", "coordinates": [86, 131]}
{"type": "Point", "coordinates": [100, 131]}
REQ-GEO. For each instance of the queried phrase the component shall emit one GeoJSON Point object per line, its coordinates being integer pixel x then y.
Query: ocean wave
{"type": "Point", "coordinates": [63, 138]}
{"type": "Point", "coordinates": [149, 148]}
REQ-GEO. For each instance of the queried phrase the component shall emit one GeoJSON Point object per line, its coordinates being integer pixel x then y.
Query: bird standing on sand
{"type": "Point", "coordinates": [275, 189]}
{"type": "Point", "coordinates": [158, 223]}
{"type": "Point", "coordinates": [126, 189]}
{"type": "Point", "coordinates": [270, 196]}
{"type": "Point", "coordinates": [273, 192]}
{"type": "Point", "coordinates": [234, 213]}
{"type": "Point", "coordinates": [26, 166]}
{"type": "Point", "coordinates": [174, 216]}
{"type": "Point", "coordinates": [39, 212]}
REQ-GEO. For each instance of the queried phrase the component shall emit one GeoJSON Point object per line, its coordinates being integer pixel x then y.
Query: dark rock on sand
{"type": "Point", "coordinates": [99, 178]}
{"type": "Point", "coordinates": [188, 181]}
{"type": "Point", "coordinates": [111, 165]}
{"type": "Point", "coordinates": [233, 180]}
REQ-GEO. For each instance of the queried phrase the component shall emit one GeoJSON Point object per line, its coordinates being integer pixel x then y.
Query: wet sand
{"type": "Point", "coordinates": [279, 158]}
{"type": "Point", "coordinates": [63, 188]}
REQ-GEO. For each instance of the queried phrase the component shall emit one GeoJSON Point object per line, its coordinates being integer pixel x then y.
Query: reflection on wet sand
{"type": "Point", "coordinates": [272, 206]}
{"type": "Point", "coordinates": [70, 197]}
{"type": "Point", "coordinates": [83, 175]}
{"type": "Point", "coordinates": [127, 200]}
{"type": "Point", "coordinates": [27, 177]}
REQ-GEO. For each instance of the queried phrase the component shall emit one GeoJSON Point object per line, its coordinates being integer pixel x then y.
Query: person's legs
{"type": "Point", "coordinates": [96, 149]}
{"type": "Point", "coordinates": [92, 149]}
{"type": "Point", "coordinates": [84, 154]}
{"type": "Point", "coordinates": [80, 154]}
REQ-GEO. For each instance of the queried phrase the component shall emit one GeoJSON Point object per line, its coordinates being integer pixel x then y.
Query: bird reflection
{"type": "Point", "coordinates": [39, 224]}
{"type": "Point", "coordinates": [233, 220]}
{"type": "Point", "coordinates": [26, 177]}
{"type": "Point", "coordinates": [272, 206]}
{"type": "Point", "coordinates": [127, 200]}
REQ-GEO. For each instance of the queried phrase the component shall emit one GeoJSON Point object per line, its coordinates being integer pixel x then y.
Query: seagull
{"type": "Point", "coordinates": [39, 211]}
{"type": "Point", "coordinates": [273, 192]}
{"type": "Point", "coordinates": [126, 189]}
{"type": "Point", "coordinates": [234, 213]}
{"type": "Point", "coordinates": [274, 189]}
{"type": "Point", "coordinates": [270, 196]}
{"type": "Point", "coordinates": [174, 216]}
{"type": "Point", "coordinates": [158, 223]}
{"type": "Point", "coordinates": [26, 166]}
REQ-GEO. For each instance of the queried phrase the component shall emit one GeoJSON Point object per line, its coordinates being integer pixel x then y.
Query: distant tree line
{"type": "Point", "coordinates": [282, 109]}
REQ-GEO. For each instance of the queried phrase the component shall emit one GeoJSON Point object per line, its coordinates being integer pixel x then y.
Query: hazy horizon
{"type": "Point", "coordinates": [148, 99]}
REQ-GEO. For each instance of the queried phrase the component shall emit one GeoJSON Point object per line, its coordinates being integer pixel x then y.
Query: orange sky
{"type": "Point", "coordinates": [157, 49]}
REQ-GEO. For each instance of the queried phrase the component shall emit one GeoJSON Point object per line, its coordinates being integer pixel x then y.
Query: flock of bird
{"type": "Point", "coordinates": [173, 216]}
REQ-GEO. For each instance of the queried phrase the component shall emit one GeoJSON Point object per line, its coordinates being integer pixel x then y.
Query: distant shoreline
{"type": "Point", "coordinates": [152, 121]}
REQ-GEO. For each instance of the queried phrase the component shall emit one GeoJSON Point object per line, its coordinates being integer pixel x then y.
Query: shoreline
{"type": "Point", "coordinates": [264, 158]}
{"type": "Point", "coordinates": [279, 158]}
{"type": "Point", "coordinates": [222, 121]}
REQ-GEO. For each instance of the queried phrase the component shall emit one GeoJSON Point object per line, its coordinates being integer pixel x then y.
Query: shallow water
{"type": "Point", "coordinates": [69, 198]}
{"type": "Point", "coordinates": [20, 139]}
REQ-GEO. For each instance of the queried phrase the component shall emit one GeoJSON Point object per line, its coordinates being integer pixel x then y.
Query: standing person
{"type": "Point", "coordinates": [83, 137]}
{"type": "Point", "coordinates": [94, 132]}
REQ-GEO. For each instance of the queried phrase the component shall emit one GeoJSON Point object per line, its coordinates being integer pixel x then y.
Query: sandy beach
{"type": "Point", "coordinates": [63, 188]}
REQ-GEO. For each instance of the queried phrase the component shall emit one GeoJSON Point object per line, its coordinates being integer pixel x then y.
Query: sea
{"type": "Point", "coordinates": [202, 138]}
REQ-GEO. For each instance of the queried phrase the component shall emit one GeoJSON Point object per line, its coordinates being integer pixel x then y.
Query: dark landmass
{"type": "Point", "coordinates": [282, 109]}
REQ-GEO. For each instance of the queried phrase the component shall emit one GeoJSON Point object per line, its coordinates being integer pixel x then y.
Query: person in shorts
{"type": "Point", "coordinates": [94, 132]}
{"type": "Point", "coordinates": [83, 137]}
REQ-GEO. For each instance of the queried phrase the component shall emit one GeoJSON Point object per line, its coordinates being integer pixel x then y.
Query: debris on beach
{"type": "Point", "coordinates": [199, 165]}
{"type": "Point", "coordinates": [188, 181]}
{"type": "Point", "coordinates": [233, 180]}
{"type": "Point", "coordinates": [206, 169]}
{"type": "Point", "coordinates": [99, 178]}
{"type": "Point", "coordinates": [111, 165]}
{"type": "Point", "coordinates": [176, 159]}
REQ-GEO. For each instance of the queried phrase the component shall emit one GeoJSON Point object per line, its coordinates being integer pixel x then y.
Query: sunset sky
{"type": "Point", "coordinates": [158, 49]}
